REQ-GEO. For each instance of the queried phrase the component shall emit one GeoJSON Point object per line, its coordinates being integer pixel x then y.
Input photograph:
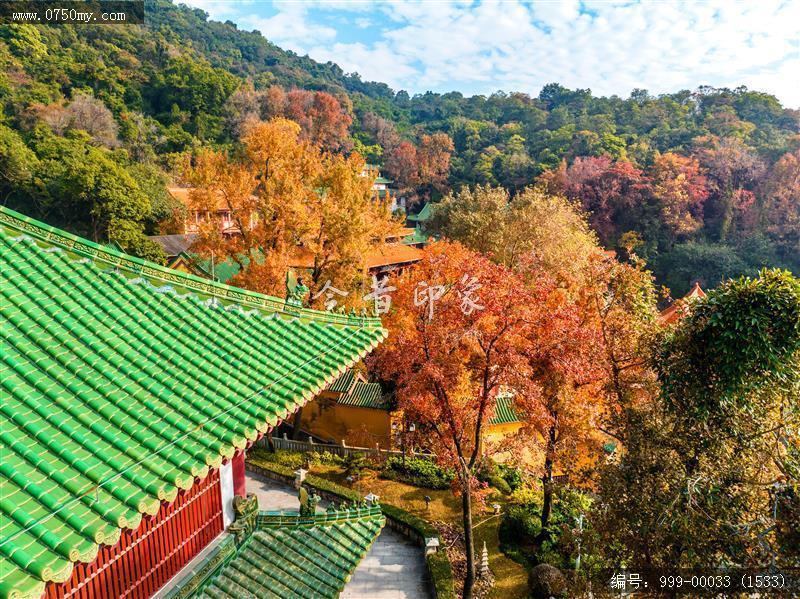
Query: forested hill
{"type": "Point", "coordinates": [96, 119]}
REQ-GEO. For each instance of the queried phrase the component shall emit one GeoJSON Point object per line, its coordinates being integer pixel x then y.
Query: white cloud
{"type": "Point", "coordinates": [609, 47]}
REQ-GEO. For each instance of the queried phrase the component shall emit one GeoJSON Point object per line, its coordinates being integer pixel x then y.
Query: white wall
{"type": "Point", "coordinates": [226, 491]}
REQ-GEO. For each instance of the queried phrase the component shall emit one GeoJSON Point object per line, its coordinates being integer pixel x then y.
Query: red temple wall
{"type": "Point", "coordinates": [146, 558]}
{"type": "Point", "coordinates": [239, 476]}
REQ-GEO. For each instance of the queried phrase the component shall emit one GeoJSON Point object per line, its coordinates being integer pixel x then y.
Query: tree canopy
{"type": "Point", "coordinates": [705, 178]}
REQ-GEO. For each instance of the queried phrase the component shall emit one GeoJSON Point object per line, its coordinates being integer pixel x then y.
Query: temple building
{"type": "Point", "coordinates": [131, 394]}
{"type": "Point", "coordinates": [356, 412]}
{"type": "Point", "coordinates": [677, 309]}
{"type": "Point", "coordinates": [382, 188]}
{"type": "Point", "coordinates": [195, 218]}
{"type": "Point", "coordinates": [399, 251]}
{"type": "Point", "coordinates": [391, 257]}
{"type": "Point", "coordinates": [351, 410]}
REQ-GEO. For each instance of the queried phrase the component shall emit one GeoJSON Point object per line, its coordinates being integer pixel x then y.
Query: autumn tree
{"type": "Point", "coordinates": [680, 190]}
{"type": "Point", "coordinates": [421, 168]}
{"type": "Point", "coordinates": [433, 154]}
{"type": "Point", "coordinates": [487, 219]}
{"type": "Point", "coordinates": [243, 108]}
{"type": "Point", "coordinates": [588, 360]}
{"type": "Point", "coordinates": [292, 203]}
{"type": "Point", "coordinates": [402, 165]}
{"type": "Point", "coordinates": [323, 118]}
{"type": "Point", "coordinates": [562, 356]}
{"type": "Point", "coordinates": [588, 356]}
{"type": "Point", "coordinates": [84, 112]}
{"type": "Point", "coordinates": [734, 173]}
{"type": "Point", "coordinates": [457, 322]}
{"type": "Point", "coordinates": [384, 131]}
{"type": "Point", "coordinates": [614, 194]}
{"type": "Point", "coordinates": [781, 205]}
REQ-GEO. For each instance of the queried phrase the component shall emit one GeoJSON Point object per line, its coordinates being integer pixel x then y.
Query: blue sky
{"type": "Point", "coordinates": [480, 47]}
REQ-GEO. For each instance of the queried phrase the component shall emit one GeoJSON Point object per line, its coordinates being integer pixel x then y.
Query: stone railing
{"type": "Point", "coordinates": [343, 450]}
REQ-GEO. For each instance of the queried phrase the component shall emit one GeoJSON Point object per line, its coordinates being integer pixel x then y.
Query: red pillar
{"type": "Point", "coordinates": [237, 470]}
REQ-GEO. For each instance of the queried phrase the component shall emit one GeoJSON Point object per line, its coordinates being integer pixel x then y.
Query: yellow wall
{"type": "Point", "coordinates": [359, 427]}
{"type": "Point", "coordinates": [363, 427]}
{"type": "Point", "coordinates": [496, 432]}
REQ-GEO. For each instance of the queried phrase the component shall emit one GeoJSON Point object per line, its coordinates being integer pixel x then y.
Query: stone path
{"type": "Point", "coordinates": [393, 569]}
{"type": "Point", "coordinates": [273, 495]}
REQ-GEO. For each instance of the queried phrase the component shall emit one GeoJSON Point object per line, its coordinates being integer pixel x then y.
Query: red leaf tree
{"type": "Point", "coordinates": [458, 326]}
{"type": "Point", "coordinates": [614, 194]}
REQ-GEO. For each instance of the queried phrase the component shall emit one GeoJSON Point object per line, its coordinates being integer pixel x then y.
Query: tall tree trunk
{"type": "Point", "coordinates": [469, 542]}
{"type": "Point", "coordinates": [298, 416]}
{"type": "Point", "coordinates": [547, 483]}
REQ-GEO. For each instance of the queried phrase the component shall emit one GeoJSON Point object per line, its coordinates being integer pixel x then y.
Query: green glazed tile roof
{"type": "Point", "coordinates": [222, 271]}
{"type": "Point", "coordinates": [416, 237]}
{"type": "Point", "coordinates": [364, 395]}
{"type": "Point", "coordinates": [122, 381]}
{"type": "Point", "coordinates": [504, 412]}
{"type": "Point", "coordinates": [423, 215]}
{"type": "Point", "coordinates": [309, 561]}
{"type": "Point", "coordinates": [343, 383]}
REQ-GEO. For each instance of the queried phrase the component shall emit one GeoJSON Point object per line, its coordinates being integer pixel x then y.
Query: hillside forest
{"type": "Point", "coordinates": [95, 122]}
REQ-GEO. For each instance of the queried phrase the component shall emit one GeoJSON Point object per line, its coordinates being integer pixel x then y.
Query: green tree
{"type": "Point", "coordinates": [17, 164]}
{"type": "Point", "coordinates": [487, 219]}
{"type": "Point", "coordinates": [702, 470]}
{"type": "Point", "coordinates": [86, 189]}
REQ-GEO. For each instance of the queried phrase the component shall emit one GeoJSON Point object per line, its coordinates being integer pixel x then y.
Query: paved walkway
{"type": "Point", "coordinates": [393, 568]}
{"type": "Point", "coordinates": [273, 495]}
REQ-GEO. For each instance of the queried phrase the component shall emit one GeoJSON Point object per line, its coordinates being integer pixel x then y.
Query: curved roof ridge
{"type": "Point", "coordinates": [138, 266]}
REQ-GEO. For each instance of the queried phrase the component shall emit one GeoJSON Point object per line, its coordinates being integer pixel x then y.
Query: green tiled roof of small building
{"type": "Point", "coordinates": [423, 215]}
{"type": "Point", "coordinates": [343, 383]}
{"type": "Point", "coordinates": [364, 395]}
{"type": "Point", "coordinates": [222, 271]}
{"type": "Point", "coordinates": [313, 560]}
{"type": "Point", "coordinates": [416, 237]}
{"type": "Point", "coordinates": [504, 412]}
{"type": "Point", "coordinates": [123, 381]}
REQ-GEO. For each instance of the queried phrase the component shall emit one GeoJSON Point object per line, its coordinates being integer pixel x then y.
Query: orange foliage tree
{"type": "Point", "coordinates": [680, 189]}
{"type": "Point", "coordinates": [291, 202]}
{"type": "Point", "coordinates": [458, 325]}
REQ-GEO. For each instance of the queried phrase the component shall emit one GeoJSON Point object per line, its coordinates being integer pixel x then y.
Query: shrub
{"type": "Point", "coordinates": [422, 527]}
{"type": "Point", "coordinates": [498, 482]}
{"type": "Point", "coordinates": [420, 472]}
{"type": "Point", "coordinates": [441, 574]}
{"type": "Point", "coordinates": [354, 464]}
{"type": "Point", "coordinates": [522, 523]}
{"type": "Point", "coordinates": [290, 459]}
{"type": "Point", "coordinates": [503, 478]}
{"type": "Point", "coordinates": [324, 457]}
{"type": "Point", "coordinates": [545, 581]}
{"type": "Point", "coordinates": [512, 476]}
{"type": "Point", "coordinates": [530, 495]}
